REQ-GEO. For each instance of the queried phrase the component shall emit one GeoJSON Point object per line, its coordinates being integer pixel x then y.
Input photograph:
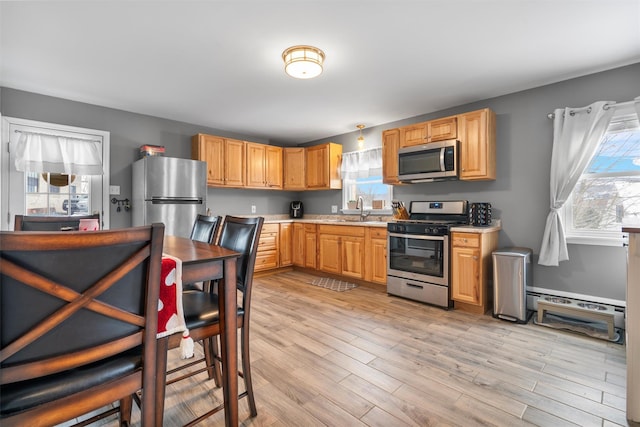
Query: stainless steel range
{"type": "Point", "coordinates": [418, 251]}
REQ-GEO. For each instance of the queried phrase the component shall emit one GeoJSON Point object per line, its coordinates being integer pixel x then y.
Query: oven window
{"type": "Point", "coordinates": [417, 256]}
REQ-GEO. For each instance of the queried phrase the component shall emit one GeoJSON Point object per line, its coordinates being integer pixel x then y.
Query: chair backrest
{"type": "Point", "coordinates": [205, 228]}
{"type": "Point", "coordinates": [50, 223]}
{"type": "Point", "coordinates": [242, 235]}
{"type": "Point", "coordinates": [68, 299]}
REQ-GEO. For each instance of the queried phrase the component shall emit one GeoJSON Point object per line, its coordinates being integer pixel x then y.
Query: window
{"type": "Point", "coordinates": [25, 191]}
{"type": "Point", "coordinates": [57, 194]}
{"type": "Point", "coordinates": [608, 192]}
{"type": "Point", "coordinates": [362, 177]}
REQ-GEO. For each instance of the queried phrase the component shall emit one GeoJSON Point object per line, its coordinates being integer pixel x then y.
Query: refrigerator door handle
{"type": "Point", "coordinates": [176, 200]}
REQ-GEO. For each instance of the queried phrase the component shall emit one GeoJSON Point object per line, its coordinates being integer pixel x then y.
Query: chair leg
{"type": "Point", "coordinates": [246, 370]}
{"type": "Point", "coordinates": [126, 405]}
{"type": "Point", "coordinates": [210, 354]}
{"type": "Point", "coordinates": [214, 352]}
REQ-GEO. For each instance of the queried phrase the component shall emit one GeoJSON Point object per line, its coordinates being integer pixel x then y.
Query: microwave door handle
{"type": "Point", "coordinates": [442, 150]}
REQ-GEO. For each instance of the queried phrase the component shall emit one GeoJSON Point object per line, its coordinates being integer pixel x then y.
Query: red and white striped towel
{"type": "Point", "coordinates": [170, 310]}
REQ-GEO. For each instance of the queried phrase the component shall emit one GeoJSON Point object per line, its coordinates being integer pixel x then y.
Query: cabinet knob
{"type": "Point", "coordinates": [475, 258]}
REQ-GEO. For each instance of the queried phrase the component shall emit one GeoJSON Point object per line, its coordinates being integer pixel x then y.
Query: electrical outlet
{"type": "Point", "coordinates": [253, 208]}
{"type": "Point", "coordinates": [334, 208]}
{"type": "Point", "coordinates": [114, 190]}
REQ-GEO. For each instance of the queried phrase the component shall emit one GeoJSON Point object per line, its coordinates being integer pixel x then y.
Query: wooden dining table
{"type": "Point", "coordinates": [202, 262]}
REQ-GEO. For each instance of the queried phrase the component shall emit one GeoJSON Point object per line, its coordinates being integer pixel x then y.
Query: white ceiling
{"type": "Point", "coordinates": [218, 63]}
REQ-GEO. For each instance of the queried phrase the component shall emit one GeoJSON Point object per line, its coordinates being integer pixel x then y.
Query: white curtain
{"type": "Point", "coordinates": [362, 164]}
{"type": "Point", "coordinates": [576, 136]}
{"type": "Point", "coordinates": [37, 152]}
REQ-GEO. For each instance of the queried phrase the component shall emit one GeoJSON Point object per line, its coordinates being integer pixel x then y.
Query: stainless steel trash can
{"type": "Point", "coordinates": [512, 274]}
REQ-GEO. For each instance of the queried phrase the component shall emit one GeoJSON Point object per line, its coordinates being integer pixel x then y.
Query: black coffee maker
{"type": "Point", "coordinates": [296, 210]}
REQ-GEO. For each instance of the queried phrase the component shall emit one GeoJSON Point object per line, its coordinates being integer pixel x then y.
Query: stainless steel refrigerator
{"type": "Point", "coordinates": [168, 190]}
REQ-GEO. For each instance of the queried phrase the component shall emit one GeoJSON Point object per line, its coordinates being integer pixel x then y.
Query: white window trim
{"type": "Point", "coordinates": [5, 213]}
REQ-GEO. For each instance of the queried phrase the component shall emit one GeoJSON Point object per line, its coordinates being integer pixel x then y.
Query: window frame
{"type": "Point", "coordinates": [598, 237]}
{"type": "Point", "coordinates": [8, 176]}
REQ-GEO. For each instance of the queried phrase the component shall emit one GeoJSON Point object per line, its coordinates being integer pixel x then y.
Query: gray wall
{"type": "Point", "coordinates": [128, 132]}
{"type": "Point", "coordinates": [519, 195]}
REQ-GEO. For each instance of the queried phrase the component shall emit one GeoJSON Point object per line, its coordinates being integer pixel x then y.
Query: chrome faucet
{"type": "Point", "coordinates": [360, 205]}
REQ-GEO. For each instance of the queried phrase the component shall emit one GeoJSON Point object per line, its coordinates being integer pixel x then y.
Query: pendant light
{"type": "Point", "coordinates": [360, 138]}
{"type": "Point", "coordinates": [303, 62]}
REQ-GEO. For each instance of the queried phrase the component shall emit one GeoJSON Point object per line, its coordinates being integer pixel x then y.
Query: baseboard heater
{"type": "Point", "coordinates": [616, 311]}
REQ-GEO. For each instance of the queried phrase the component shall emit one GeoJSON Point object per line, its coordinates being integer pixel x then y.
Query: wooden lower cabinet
{"type": "Point", "coordinates": [310, 246]}
{"type": "Point", "coordinates": [298, 244]}
{"type": "Point", "coordinates": [286, 244]}
{"type": "Point", "coordinates": [267, 256]}
{"type": "Point", "coordinates": [341, 250]}
{"type": "Point", "coordinates": [357, 252]}
{"type": "Point", "coordinates": [376, 255]}
{"type": "Point", "coordinates": [471, 270]}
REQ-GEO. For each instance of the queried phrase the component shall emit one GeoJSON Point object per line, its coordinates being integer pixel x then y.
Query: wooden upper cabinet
{"type": "Point", "coordinates": [477, 134]}
{"type": "Point", "coordinates": [294, 168]}
{"type": "Point", "coordinates": [442, 129]}
{"type": "Point", "coordinates": [323, 166]}
{"type": "Point", "coordinates": [264, 166]}
{"type": "Point", "coordinates": [273, 166]}
{"type": "Point", "coordinates": [431, 131]}
{"type": "Point", "coordinates": [390, 144]}
{"type": "Point", "coordinates": [234, 158]}
{"type": "Point", "coordinates": [225, 159]}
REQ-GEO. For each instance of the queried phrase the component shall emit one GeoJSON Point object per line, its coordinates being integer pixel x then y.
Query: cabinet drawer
{"type": "Point", "coordinates": [270, 228]}
{"type": "Point", "coordinates": [378, 233]}
{"type": "Point", "coordinates": [466, 240]}
{"type": "Point", "coordinates": [267, 241]}
{"type": "Point", "coordinates": [266, 260]}
{"type": "Point", "coordinates": [341, 230]}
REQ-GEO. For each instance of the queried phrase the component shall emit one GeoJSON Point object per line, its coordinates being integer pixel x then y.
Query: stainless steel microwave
{"type": "Point", "coordinates": [434, 161]}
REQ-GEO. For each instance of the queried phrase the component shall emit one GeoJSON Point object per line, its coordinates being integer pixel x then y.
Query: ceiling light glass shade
{"type": "Point", "coordinates": [303, 62]}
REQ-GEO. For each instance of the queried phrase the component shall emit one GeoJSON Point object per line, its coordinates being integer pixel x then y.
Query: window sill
{"type": "Point", "coordinates": [598, 241]}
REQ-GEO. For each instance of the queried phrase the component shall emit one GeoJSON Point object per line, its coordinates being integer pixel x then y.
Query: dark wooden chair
{"type": "Point", "coordinates": [202, 314]}
{"type": "Point", "coordinates": [205, 228]}
{"type": "Point", "coordinates": [50, 223]}
{"type": "Point", "coordinates": [78, 323]}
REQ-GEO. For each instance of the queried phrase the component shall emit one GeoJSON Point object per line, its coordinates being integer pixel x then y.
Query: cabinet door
{"type": "Point", "coordinates": [210, 149]}
{"type": "Point", "coordinates": [477, 145]}
{"type": "Point", "coordinates": [255, 165]}
{"type": "Point", "coordinates": [378, 248]}
{"type": "Point", "coordinates": [442, 129]}
{"type": "Point", "coordinates": [298, 246]}
{"type": "Point", "coordinates": [413, 135]}
{"type": "Point", "coordinates": [465, 275]}
{"type": "Point", "coordinates": [317, 172]}
{"type": "Point", "coordinates": [286, 242]}
{"type": "Point", "coordinates": [323, 163]}
{"type": "Point", "coordinates": [352, 263]}
{"type": "Point", "coordinates": [273, 166]}
{"type": "Point", "coordinates": [294, 168]}
{"type": "Point", "coordinates": [390, 144]}
{"type": "Point", "coordinates": [234, 163]}
{"type": "Point", "coordinates": [310, 248]}
{"type": "Point", "coordinates": [330, 254]}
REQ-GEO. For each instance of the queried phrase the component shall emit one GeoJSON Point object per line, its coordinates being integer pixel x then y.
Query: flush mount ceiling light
{"type": "Point", "coordinates": [303, 62]}
{"type": "Point", "coordinates": [360, 138]}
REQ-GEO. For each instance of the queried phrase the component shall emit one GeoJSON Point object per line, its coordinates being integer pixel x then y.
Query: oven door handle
{"type": "Point", "coordinates": [417, 236]}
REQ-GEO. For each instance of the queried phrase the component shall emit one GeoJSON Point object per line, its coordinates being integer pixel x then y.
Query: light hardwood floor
{"type": "Point", "coordinates": [363, 358]}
